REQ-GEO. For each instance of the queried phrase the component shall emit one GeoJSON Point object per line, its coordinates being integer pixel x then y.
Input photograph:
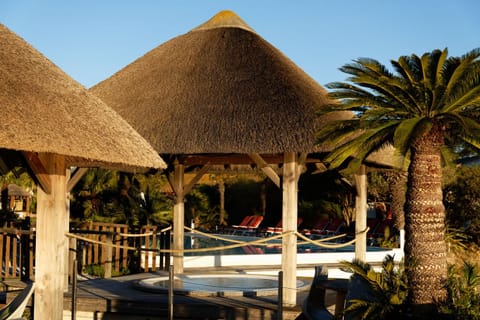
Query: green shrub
{"type": "Point", "coordinates": [385, 291]}
{"type": "Point", "coordinates": [463, 296]}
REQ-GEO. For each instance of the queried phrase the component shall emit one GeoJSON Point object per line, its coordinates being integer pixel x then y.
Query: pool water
{"type": "Point", "coordinates": [197, 241]}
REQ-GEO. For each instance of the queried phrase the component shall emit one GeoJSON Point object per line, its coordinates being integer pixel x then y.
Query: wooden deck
{"type": "Point", "coordinates": [116, 298]}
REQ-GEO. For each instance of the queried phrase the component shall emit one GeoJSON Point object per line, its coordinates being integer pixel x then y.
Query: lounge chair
{"type": "Point", "coordinates": [314, 307]}
{"type": "Point", "coordinates": [318, 229]}
{"type": "Point", "coordinates": [14, 310]}
{"type": "Point", "coordinates": [243, 224]}
{"type": "Point", "coordinates": [278, 228]}
{"type": "Point", "coordinates": [251, 227]}
{"type": "Point", "coordinates": [334, 227]}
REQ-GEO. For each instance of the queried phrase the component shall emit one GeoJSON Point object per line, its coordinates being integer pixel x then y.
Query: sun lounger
{"type": "Point", "coordinates": [278, 228]}
{"type": "Point", "coordinates": [318, 229]}
{"type": "Point", "coordinates": [334, 227]}
{"type": "Point", "coordinates": [251, 227]}
{"type": "Point", "coordinates": [243, 224]}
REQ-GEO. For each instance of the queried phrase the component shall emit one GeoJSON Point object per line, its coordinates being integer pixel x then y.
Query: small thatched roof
{"type": "Point", "coordinates": [220, 88]}
{"type": "Point", "coordinates": [17, 191]}
{"type": "Point", "coordinates": [44, 110]}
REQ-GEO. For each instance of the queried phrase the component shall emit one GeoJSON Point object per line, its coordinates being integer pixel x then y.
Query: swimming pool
{"type": "Point", "coordinates": [267, 256]}
{"type": "Point", "coordinates": [198, 241]}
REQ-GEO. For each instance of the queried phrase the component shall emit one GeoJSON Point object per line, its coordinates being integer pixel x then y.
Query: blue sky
{"type": "Point", "coordinates": [92, 39]}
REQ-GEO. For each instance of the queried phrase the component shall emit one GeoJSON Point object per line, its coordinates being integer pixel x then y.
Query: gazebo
{"type": "Point", "coordinates": [51, 124]}
{"type": "Point", "coordinates": [217, 95]}
{"type": "Point", "coordinates": [16, 199]}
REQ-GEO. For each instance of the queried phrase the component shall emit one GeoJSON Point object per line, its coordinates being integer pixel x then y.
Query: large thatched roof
{"type": "Point", "coordinates": [44, 110]}
{"type": "Point", "coordinates": [220, 88]}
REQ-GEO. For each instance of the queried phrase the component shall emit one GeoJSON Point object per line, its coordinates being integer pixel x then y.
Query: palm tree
{"type": "Point", "coordinates": [418, 108]}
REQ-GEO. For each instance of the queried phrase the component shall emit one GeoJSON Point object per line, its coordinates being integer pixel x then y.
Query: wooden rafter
{"type": "Point", "coordinates": [75, 177]}
{"type": "Point", "coordinates": [263, 165]}
{"type": "Point", "coordinates": [39, 170]}
{"type": "Point", "coordinates": [188, 187]}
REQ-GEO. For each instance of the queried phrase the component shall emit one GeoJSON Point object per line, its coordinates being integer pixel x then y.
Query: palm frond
{"type": "Point", "coordinates": [335, 132]}
{"type": "Point", "coordinates": [463, 70]}
{"type": "Point", "coordinates": [469, 98]}
{"type": "Point", "coordinates": [359, 147]}
{"type": "Point", "coordinates": [373, 75]}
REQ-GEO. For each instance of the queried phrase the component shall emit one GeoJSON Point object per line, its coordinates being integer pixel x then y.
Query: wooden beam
{"type": "Point", "coordinates": [361, 214]}
{"type": "Point", "coordinates": [178, 217]}
{"type": "Point", "coordinates": [262, 164]}
{"type": "Point", "coordinates": [51, 243]}
{"type": "Point", "coordinates": [234, 159]}
{"type": "Point", "coordinates": [195, 179]}
{"type": "Point", "coordinates": [75, 177]}
{"type": "Point", "coordinates": [301, 164]}
{"type": "Point", "coordinates": [39, 170]}
{"type": "Point", "coordinates": [170, 178]}
{"type": "Point", "coordinates": [289, 220]}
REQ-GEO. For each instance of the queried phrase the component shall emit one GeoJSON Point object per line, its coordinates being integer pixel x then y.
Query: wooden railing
{"type": "Point", "coordinates": [17, 253]}
{"type": "Point", "coordinates": [117, 248]}
{"type": "Point", "coordinates": [113, 247]}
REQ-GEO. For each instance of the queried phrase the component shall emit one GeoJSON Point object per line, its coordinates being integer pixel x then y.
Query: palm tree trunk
{"type": "Point", "coordinates": [425, 249]}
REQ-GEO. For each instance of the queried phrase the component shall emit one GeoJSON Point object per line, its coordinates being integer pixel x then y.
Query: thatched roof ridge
{"type": "Point", "coordinates": [224, 19]}
{"type": "Point", "coordinates": [44, 110]}
{"type": "Point", "coordinates": [219, 88]}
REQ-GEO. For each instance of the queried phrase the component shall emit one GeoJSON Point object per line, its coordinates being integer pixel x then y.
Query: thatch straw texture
{"type": "Point", "coordinates": [16, 190]}
{"type": "Point", "coordinates": [44, 110]}
{"type": "Point", "coordinates": [219, 88]}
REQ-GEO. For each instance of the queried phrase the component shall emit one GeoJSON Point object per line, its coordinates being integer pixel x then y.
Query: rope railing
{"type": "Point", "coordinates": [139, 235]}
{"type": "Point", "coordinates": [323, 242]}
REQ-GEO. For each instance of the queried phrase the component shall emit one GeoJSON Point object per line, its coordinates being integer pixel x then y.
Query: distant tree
{"type": "Point", "coordinates": [94, 196]}
{"type": "Point", "coordinates": [462, 200]}
{"type": "Point", "coordinates": [378, 187]}
{"type": "Point", "coordinates": [242, 198]}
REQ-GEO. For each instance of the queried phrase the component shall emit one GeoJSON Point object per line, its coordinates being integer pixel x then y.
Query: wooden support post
{"type": "Point", "coordinates": [289, 221]}
{"type": "Point", "coordinates": [361, 214]}
{"type": "Point", "coordinates": [178, 217]}
{"type": "Point", "coordinates": [51, 240]}
{"type": "Point", "coordinates": [67, 229]}
{"type": "Point", "coordinates": [72, 257]}
{"type": "Point", "coordinates": [221, 191]}
{"type": "Point", "coordinates": [109, 253]}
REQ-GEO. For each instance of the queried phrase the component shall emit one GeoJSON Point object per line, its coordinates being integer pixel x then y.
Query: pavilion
{"type": "Point", "coordinates": [222, 95]}
{"type": "Point", "coordinates": [54, 127]}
